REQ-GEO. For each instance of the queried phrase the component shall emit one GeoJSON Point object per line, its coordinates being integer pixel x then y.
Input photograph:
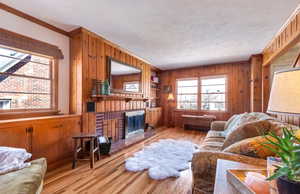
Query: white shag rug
{"type": "Point", "coordinates": [165, 158]}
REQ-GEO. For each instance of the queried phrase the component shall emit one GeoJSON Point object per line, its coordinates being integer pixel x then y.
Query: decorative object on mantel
{"type": "Point", "coordinates": [165, 158]}
{"type": "Point", "coordinates": [106, 88]}
{"type": "Point", "coordinates": [97, 87]}
{"type": "Point", "coordinates": [249, 181]}
{"type": "Point", "coordinates": [285, 93]}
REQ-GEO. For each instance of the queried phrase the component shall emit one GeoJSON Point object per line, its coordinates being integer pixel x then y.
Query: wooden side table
{"type": "Point", "coordinates": [221, 183]}
{"type": "Point", "coordinates": [79, 148]}
{"type": "Point", "coordinates": [203, 122]}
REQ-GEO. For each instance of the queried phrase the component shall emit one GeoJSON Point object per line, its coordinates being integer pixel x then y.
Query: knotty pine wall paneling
{"type": "Point", "coordinates": [88, 61]}
{"type": "Point", "coordinates": [238, 75]}
{"type": "Point", "coordinates": [265, 87]}
{"type": "Point", "coordinates": [256, 83]}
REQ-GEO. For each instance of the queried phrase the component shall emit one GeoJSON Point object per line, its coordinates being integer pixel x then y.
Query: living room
{"type": "Point", "coordinates": [149, 97]}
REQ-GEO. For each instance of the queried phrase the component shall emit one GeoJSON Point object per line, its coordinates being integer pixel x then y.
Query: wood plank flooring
{"type": "Point", "coordinates": [109, 175]}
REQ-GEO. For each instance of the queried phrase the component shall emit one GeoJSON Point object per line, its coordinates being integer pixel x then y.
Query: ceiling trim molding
{"type": "Point", "coordinates": [286, 38]}
{"type": "Point", "coordinates": [32, 19]}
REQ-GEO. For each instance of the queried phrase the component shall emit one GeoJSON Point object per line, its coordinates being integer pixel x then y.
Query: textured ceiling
{"type": "Point", "coordinates": [172, 33]}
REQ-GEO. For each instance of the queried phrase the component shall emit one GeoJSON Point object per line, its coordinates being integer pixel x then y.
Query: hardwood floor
{"type": "Point", "coordinates": [109, 175]}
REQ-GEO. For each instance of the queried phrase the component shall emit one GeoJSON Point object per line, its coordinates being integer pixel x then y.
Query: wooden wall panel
{"type": "Point", "coordinates": [256, 83]}
{"type": "Point", "coordinates": [238, 90]}
{"type": "Point", "coordinates": [88, 61]}
{"type": "Point", "coordinates": [265, 87]}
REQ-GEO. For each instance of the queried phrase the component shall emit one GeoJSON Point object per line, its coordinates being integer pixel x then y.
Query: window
{"type": "Point", "coordinates": [213, 93]}
{"type": "Point", "coordinates": [131, 86]}
{"type": "Point", "coordinates": [25, 81]}
{"type": "Point", "coordinates": [187, 94]}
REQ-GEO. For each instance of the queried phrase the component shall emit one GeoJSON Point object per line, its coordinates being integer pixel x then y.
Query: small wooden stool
{"type": "Point", "coordinates": [94, 147]}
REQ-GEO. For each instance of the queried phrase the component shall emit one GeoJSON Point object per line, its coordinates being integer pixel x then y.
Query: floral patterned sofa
{"type": "Point", "coordinates": [238, 139]}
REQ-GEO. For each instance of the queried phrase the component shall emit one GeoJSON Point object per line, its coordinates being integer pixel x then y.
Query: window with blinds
{"type": "Point", "coordinates": [25, 81]}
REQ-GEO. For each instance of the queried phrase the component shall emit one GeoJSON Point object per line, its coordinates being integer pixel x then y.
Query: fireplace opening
{"type": "Point", "coordinates": [134, 122]}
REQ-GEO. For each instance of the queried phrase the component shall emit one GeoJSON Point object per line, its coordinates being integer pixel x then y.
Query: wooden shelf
{"type": "Point", "coordinates": [118, 98]}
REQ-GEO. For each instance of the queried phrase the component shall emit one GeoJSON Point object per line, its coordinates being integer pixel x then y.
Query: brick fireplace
{"type": "Point", "coordinates": [119, 125]}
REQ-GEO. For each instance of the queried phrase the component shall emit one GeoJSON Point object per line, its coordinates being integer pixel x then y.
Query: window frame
{"type": "Point", "coordinates": [53, 93]}
{"type": "Point", "coordinates": [199, 93]}
{"type": "Point", "coordinates": [225, 92]}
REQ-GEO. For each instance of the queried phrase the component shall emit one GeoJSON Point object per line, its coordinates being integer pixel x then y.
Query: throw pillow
{"type": "Point", "coordinates": [252, 147]}
{"type": "Point", "coordinates": [247, 130]}
{"type": "Point", "coordinates": [13, 159]}
{"type": "Point", "coordinates": [230, 120]}
{"type": "Point", "coordinates": [233, 123]}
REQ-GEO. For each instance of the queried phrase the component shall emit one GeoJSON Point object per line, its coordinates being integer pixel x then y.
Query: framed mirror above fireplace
{"type": "Point", "coordinates": [123, 78]}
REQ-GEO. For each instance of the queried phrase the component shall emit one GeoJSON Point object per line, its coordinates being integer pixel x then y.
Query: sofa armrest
{"type": "Point", "coordinates": [218, 125]}
{"type": "Point", "coordinates": [204, 165]}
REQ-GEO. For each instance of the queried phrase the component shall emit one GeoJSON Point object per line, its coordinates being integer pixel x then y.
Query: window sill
{"type": "Point", "coordinates": [26, 114]}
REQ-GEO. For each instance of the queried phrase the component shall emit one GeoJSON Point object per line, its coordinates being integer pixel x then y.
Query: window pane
{"type": "Point", "coordinates": [187, 106]}
{"type": "Point", "coordinates": [23, 84]}
{"type": "Point", "coordinates": [187, 83]}
{"type": "Point", "coordinates": [187, 90]}
{"type": "Point", "coordinates": [213, 97]}
{"type": "Point", "coordinates": [35, 69]}
{"type": "Point", "coordinates": [213, 89]}
{"type": "Point", "coordinates": [24, 101]}
{"type": "Point", "coordinates": [187, 98]}
{"type": "Point", "coordinates": [24, 68]}
{"type": "Point", "coordinates": [187, 94]}
{"type": "Point", "coordinates": [213, 106]}
{"type": "Point", "coordinates": [12, 53]}
{"type": "Point", "coordinates": [39, 59]}
{"type": "Point", "coordinates": [213, 81]}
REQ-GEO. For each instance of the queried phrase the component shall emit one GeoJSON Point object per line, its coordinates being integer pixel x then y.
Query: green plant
{"type": "Point", "coordinates": [287, 147]}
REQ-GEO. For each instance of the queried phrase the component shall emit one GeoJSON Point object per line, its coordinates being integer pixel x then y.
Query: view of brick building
{"type": "Point", "coordinates": [25, 81]}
